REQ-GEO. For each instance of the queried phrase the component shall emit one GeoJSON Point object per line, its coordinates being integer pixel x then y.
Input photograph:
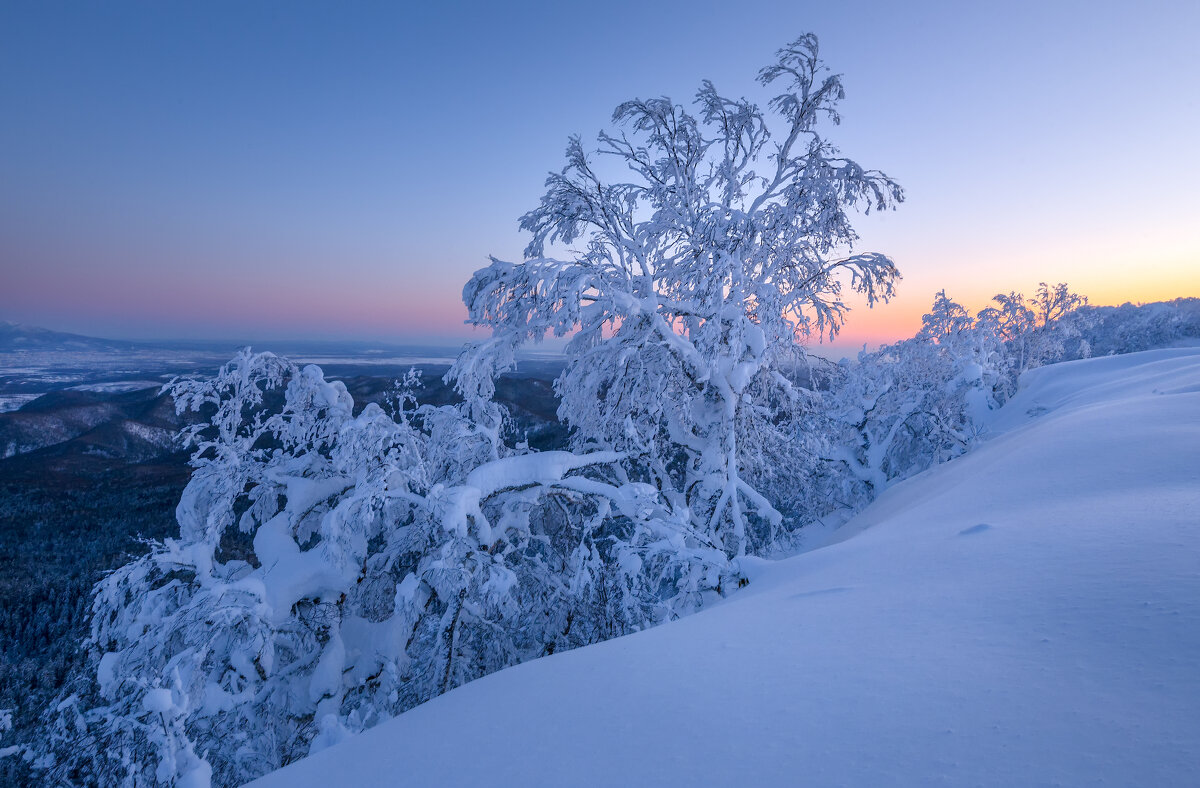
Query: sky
{"type": "Point", "coordinates": [258, 170]}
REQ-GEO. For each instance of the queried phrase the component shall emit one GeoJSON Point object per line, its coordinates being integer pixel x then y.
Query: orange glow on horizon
{"type": "Point", "coordinates": [901, 318]}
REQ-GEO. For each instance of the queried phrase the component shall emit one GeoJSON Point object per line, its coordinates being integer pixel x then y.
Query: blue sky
{"type": "Point", "coordinates": [338, 170]}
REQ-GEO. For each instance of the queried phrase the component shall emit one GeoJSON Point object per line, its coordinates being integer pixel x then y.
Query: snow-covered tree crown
{"type": "Point", "coordinates": [721, 224]}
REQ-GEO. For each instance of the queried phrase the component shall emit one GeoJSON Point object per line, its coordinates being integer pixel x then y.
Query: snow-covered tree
{"type": "Point", "coordinates": [1013, 323]}
{"type": "Point", "coordinates": [896, 411]}
{"type": "Point", "coordinates": [921, 401]}
{"type": "Point", "coordinates": [1033, 331]}
{"type": "Point", "coordinates": [1053, 304]}
{"type": "Point", "coordinates": [911, 404]}
{"type": "Point", "coordinates": [698, 247]}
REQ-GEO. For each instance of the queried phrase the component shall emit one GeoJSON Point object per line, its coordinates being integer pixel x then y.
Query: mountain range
{"type": "Point", "coordinates": [15, 337]}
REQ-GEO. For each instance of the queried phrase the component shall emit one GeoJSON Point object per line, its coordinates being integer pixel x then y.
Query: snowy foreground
{"type": "Point", "coordinates": [1028, 614]}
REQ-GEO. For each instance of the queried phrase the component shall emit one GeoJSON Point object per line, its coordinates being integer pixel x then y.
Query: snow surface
{"type": "Point", "coordinates": [1028, 614]}
{"type": "Point", "coordinates": [11, 402]}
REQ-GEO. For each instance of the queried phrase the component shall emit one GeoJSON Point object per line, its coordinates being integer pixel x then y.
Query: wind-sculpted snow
{"type": "Point", "coordinates": [1028, 614]}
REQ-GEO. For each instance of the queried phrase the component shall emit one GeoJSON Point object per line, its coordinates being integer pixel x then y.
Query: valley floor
{"type": "Point", "coordinates": [1028, 614]}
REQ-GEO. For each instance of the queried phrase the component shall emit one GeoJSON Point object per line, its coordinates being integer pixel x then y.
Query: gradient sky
{"type": "Point", "coordinates": [337, 170]}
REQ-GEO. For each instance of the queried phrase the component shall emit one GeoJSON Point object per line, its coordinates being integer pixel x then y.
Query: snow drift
{"type": "Point", "coordinates": [1027, 614]}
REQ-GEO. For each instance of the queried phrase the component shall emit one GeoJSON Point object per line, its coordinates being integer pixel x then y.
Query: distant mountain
{"type": "Point", "coordinates": [342, 357]}
{"type": "Point", "coordinates": [17, 337]}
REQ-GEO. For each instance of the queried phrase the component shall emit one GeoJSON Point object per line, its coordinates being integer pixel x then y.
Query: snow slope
{"type": "Point", "coordinates": [1028, 614]}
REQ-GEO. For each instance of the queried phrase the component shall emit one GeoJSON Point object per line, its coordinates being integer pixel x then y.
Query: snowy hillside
{"type": "Point", "coordinates": [15, 337]}
{"type": "Point", "coordinates": [1028, 614]}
